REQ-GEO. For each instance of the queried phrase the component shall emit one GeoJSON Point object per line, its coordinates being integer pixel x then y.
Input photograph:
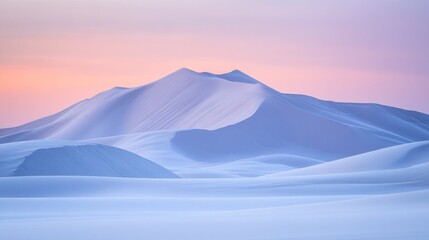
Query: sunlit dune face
{"type": "Point", "coordinates": [55, 54]}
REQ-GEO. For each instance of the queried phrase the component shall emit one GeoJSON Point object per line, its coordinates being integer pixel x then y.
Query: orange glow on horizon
{"type": "Point", "coordinates": [342, 51]}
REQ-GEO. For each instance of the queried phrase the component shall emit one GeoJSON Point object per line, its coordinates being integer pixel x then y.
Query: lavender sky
{"type": "Point", "coordinates": [55, 53]}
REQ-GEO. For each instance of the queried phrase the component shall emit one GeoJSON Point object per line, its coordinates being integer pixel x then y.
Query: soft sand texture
{"type": "Point", "coordinates": [254, 164]}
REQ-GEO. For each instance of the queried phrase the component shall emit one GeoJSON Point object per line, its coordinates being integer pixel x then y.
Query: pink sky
{"type": "Point", "coordinates": [55, 53]}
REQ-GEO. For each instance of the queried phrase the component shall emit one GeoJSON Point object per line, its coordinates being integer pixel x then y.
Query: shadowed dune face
{"type": "Point", "coordinates": [253, 163]}
{"type": "Point", "coordinates": [66, 158]}
{"type": "Point", "coordinates": [189, 119]}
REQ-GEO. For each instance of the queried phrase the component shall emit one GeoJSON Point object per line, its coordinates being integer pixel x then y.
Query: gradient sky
{"type": "Point", "coordinates": [55, 53]}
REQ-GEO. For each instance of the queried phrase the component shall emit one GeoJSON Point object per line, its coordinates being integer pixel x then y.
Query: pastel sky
{"type": "Point", "coordinates": [55, 53]}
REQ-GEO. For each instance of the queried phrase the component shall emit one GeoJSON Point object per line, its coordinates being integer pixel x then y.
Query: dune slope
{"type": "Point", "coordinates": [49, 157]}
